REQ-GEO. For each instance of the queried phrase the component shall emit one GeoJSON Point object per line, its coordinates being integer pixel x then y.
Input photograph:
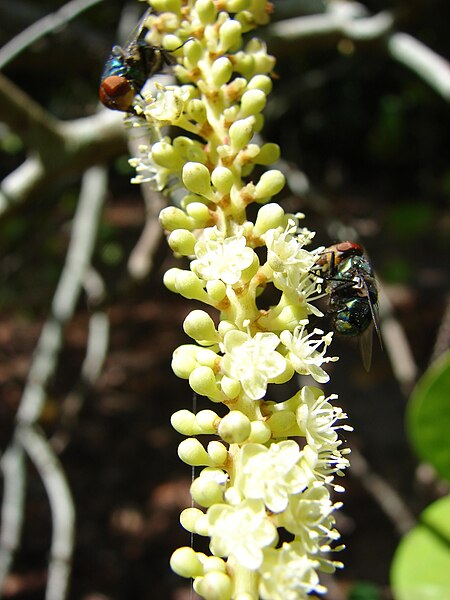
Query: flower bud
{"type": "Point", "coordinates": [269, 153]}
{"type": "Point", "coordinates": [192, 453]}
{"type": "Point", "coordinates": [260, 432]}
{"type": "Point", "coordinates": [199, 326]}
{"type": "Point", "coordinates": [182, 241]}
{"type": "Point", "coordinates": [214, 586]}
{"type": "Point", "coordinates": [244, 64]}
{"type": "Point", "coordinates": [260, 82]}
{"type": "Point", "coordinates": [172, 218]}
{"type": "Point", "coordinates": [196, 178]}
{"type": "Point", "coordinates": [270, 183]}
{"type": "Point", "coordinates": [166, 156]}
{"type": "Point", "coordinates": [199, 212]}
{"type": "Point", "coordinates": [206, 492]}
{"type": "Point", "coordinates": [230, 35]}
{"type": "Point", "coordinates": [241, 132]}
{"type": "Point", "coordinates": [193, 51]}
{"type": "Point", "coordinates": [234, 6]}
{"type": "Point", "coordinates": [230, 387]}
{"type": "Point", "coordinates": [234, 428]}
{"type": "Point", "coordinates": [269, 216]}
{"type": "Point", "coordinates": [221, 71]}
{"type": "Point", "coordinates": [206, 420]}
{"type": "Point", "coordinates": [252, 102]}
{"type": "Point", "coordinates": [196, 111]}
{"type": "Point", "coordinates": [184, 562]}
{"type": "Point", "coordinates": [203, 381]}
{"type": "Point", "coordinates": [217, 290]}
{"type": "Point", "coordinates": [167, 6]}
{"type": "Point", "coordinates": [189, 518]}
{"type": "Point", "coordinates": [281, 422]}
{"type": "Point", "coordinates": [183, 360]}
{"type": "Point", "coordinates": [214, 563]}
{"type": "Point", "coordinates": [217, 452]}
{"type": "Point", "coordinates": [206, 11]}
{"type": "Point", "coordinates": [184, 422]}
{"type": "Point", "coordinates": [222, 179]}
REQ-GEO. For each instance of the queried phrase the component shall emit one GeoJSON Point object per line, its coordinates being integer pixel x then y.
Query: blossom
{"type": "Point", "coordinates": [241, 531]}
{"type": "Point", "coordinates": [271, 474]}
{"type": "Point", "coordinates": [168, 106]}
{"type": "Point", "coordinates": [303, 353]}
{"type": "Point", "coordinates": [252, 360]}
{"type": "Point", "coordinates": [221, 257]}
{"type": "Point", "coordinates": [288, 573]}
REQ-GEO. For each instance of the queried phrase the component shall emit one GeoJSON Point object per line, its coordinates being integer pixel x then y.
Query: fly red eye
{"type": "Point", "coordinates": [349, 248]}
{"type": "Point", "coordinates": [116, 93]}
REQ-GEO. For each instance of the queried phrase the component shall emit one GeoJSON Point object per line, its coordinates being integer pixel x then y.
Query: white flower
{"type": "Point", "coordinates": [309, 517]}
{"type": "Point", "coordinates": [271, 474]}
{"type": "Point", "coordinates": [168, 106]}
{"type": "Point", "coordinates": [288, 573]}
{"type": "Point", "coordinates": [241, 531]}
{"type": "Point", "coordinates": [252, 360]}
{"type": "Point", "coordinates": [303, 353]}
{"type": "Point", "coordinates": [149, 172]}
{"type": "Point", "coordinates": [221, 257]}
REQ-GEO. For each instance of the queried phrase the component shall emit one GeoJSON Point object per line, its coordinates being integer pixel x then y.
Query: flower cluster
{"type": "Point", "coordinates": [257, 486]}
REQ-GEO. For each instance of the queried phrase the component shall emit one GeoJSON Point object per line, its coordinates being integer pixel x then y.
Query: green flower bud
{"type": "Point", "coordinates": [269, 216]}
{"type": "Point", "coordinates": [260, 432]}
{"type": "Point", "coordinates": [184, 562]}
{"type": "Point", "coordinates": [189, 285]}
{"type": "Point", "coordinates": [192, 453]}
{"type": "Point", "coordinates": [234, 428]}
{"type": "Point", "coordinates": [172, 218]}
{"type": "Point", "coordinates": [206, 357]}
{"type": "Point", "coordinates": [281, 422]}
{"type": "Point", "coordinates": [206, 420]}
{"type": "Point", "coordinates": [182, 241]}
{"type": "Point", "coordinates": [206, 11]}
{"type": "Point", "coordinates": [193, 51]}
{"type": "Point", "coordinates": [189, 518]}
{"type": "Point", "coordinates": [203, 381]}
{"type": "Point", "coordinates": [217, 290]}
{"type": "Point", "coordinates": [171, 42]}
{"type": "Point", "coordinates": [196, 111]}
{"type": "Point", "coordinates": [269, 154]}
{"type": "Point", "coordinates": [222, 179]}
{"type": "Point", "coordinates": [234, 6]}
{"type": "Point", "coordinates": [217, 453]}
{"type": "Point", "coordinates": [241, 132]}
{"type": "Point", "coordinates": [259, 122]}
{"type": "Point", "coordinates": [197, 179]}
{"type": "Point", "coordinates": [221, 71]}
{"type": "Point", "coordinates": [244, 64]}
{"type": "Point", "coordinates": [166, 156]}
{"type": "Point", "coordinates": [230, 387]}
{"type": "Point", "coordinates": [184, 422]}
{"type": "Point", "coordinates": [183, 359]}
{"type": "Point", "coordinates": [199, 326]}
{"type": "Point", "coordinates": [167, 6]}
{"type": "Point", "coordinates": [269, 185]}
{"type": "Point", "coordinates": [260, 82]}
{"type": "Point", "coordinates": [213, 586]}
{"type": "Point", "coordinates": [199, 212]}
{"type": "Point", "coordinates": [252, 103]}
{"type": "Point", "coordinates": [206, 492]}
{"type": "Point", "coordinates": [249, 272]}
{"type": "Point", "coordinates": [224, 327]}
{"type": "Point", "coordinates": [214, 563]}
{"type": "Point", "coordinates": [230, 35]}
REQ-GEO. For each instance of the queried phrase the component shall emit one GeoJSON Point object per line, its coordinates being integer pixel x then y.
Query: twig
{"type": "Point", "coordinates": [442, 342]}
{"type": "Point", "coordinates": [62, 509]}
{"type": "Point", "coordinates": [43, 27]}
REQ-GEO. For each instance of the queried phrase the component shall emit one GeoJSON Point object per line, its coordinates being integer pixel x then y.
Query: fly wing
{"type": "Point", "coordinates": [365, 346]}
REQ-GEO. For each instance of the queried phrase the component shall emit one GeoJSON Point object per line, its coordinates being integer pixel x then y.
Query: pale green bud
{"type": "Point", "coordinates": [203, 381]}
{"type": "Point", "coordinates": [269, 216]}
{"type": "Point", "coordinates": [268, 154]}
{"type": "Point", "coordinates": [217, 290]}
{"type": "Point", "coordinates": [222, 179]}
{"type": "Point", "coordinates": [281, 422]}
{"type": "Point", "coordinates": [185, 283]}
{"type": "Point", "coordinates": [230, 35]}
{"type": "Point", "coordinates": [206, 420]}
{"type": "Point", "coordinates": [224, 327]}
{"type": "Point", "coordinates": [260, 82]}
{"type": "Point", "coordinates": [183, 360]}
{"type": "Point", "coordinates": [217, 452]}
{"type": "Point", "coordinates": [196, 111]}
{"type": "Point", "coordinates": [184, 562]}
{"type": "Point", "coordinates": [189, 518]}
{"type": "Point", "coordinates": [206, 11]}
{"type": "Point", "coordinates": [221, 71]}
{"type": "Point", "coordinates": [234, 428]}
{"type": "Point", "coordinates": [190, 198]}
{"type": "Point", "coordinates": [234, 6]}
{"type": "Point", "coordinates": [171, 42]}
{"type": "Point", "coordinates": [214, 563]}
{"type": "Point", "coordinates": [182, 241]}
{"type": "Point", "coordinates": [213, 586]}
{"type": "Point", "coordinates": [260, 432]}
{"type": "Point", "coordinates": [199, 326]}
{"type": "Point", "coordinates": [167, 6]}
{"type": "Point", "coordinates": [241, 132]}
{"type": "Point", "coordinates": [259, 122]}
{"type": "Point", "coordinates": [252, 103]}
{"type": "Point", "coordinates": [184, 422]}
{"type": "Point", "coordinates": [230, 387]}
{"type": "Point", "coordinates": [250, 271]}
{"type": "Point", "coordinates": [166, 156]}
{"type": "Point", "coordinates": [199, 212]}
{"type": "Point", "coordinates": [244, 64]}
{"type": "Point", "coordinates": [269, 185]}
{"type": "Point", "coordinates": [197, 179]}
{"type": "Point", "coordinates": [264, 63]}
{"type": "Point", "coordinates": [206, 492]}
{"type": "Point", "coordinates": [172, 218]}
{"type": "Point", "coordinates": [192, 453]}
{"type": "Point", "coordinates": [206, 357]}
{"type": "Point", "coordinates": [193, 51]}
{"type": "Point", "coordinates": [233, 496]}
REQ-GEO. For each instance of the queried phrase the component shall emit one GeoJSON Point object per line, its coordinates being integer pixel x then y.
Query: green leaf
{"type": "Point", "coordinates": [428, 418]}
{"type": "Point", "coordinates": [421, 565]}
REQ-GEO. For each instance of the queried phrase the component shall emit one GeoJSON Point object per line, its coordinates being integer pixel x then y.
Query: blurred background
{"type": "Point", "coordinates": [364, 139]}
